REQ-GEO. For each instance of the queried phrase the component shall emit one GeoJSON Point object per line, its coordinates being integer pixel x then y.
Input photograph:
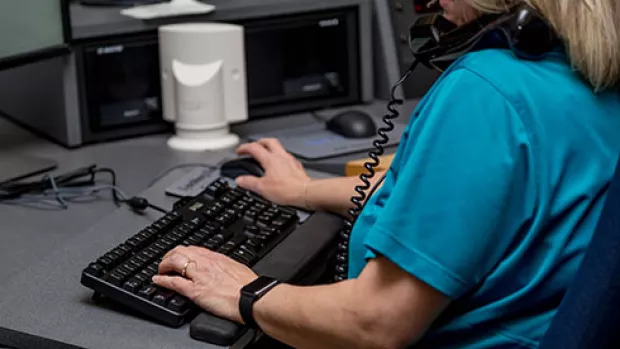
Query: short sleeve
{"type": "Point", "coordinates": [450, 215]}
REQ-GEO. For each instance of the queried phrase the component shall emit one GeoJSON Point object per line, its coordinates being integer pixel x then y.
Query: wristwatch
{"type": "Point", "coordinates": [251, 293]}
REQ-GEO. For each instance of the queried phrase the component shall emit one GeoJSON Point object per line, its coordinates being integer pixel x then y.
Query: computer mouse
{"type": "Point", "coordinates": [241, 167]}
{"type": "Point", "coordinates": [353, 124]}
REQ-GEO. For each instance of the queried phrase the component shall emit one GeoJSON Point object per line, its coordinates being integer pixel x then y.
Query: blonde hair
{"type": "Point", "coordinates": [590, 30]}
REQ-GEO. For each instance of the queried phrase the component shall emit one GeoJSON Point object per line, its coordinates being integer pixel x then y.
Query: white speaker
{"type": "Point", "coordinates": [203, 83]}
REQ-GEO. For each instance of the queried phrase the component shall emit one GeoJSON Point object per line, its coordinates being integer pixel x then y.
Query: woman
{"type": "Point", "coordinates": [483, 217]}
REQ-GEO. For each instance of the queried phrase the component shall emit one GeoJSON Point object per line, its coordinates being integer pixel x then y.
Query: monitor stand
{"type": "Point", "coordinates": [14, 167]}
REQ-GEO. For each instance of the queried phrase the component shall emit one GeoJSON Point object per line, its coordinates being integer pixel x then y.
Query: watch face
{"type": "Point", "coordinates": [260, 286]}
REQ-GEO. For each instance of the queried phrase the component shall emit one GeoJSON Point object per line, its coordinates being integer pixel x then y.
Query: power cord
{"type": "Point", "coordinates": [70, 187]}
{"type": "Point", "coordinates": [342, 256]}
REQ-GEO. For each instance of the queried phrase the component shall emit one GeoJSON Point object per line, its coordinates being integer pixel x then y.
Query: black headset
{"type": "Point", "coordinates": [436, 42]}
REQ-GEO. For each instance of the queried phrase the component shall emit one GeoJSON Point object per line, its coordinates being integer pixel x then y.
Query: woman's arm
{"type": "Point", "coordinates": [334, 194]}
{"type": "Point", "coordinates": [384, 308]}
{"type": "Point", "coordinates": [286, 182]}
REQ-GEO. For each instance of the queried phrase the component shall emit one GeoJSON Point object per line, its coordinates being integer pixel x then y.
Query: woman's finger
{"type": "Point", "coordinates": [250, 183]}
{"type": "Point", "coordinates": [257, 151]}
{"type": "Point", "coordinates": [272, 145]}
{"type": "Point", "coordinates": [176, 284]}
{"type": "Point", "coordinates": [175, 262]}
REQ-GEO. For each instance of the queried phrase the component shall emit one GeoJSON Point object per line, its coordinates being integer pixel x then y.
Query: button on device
{"type": "Point", "coordinates": [148, 292]}
{"type": "Point", "coordinates": [95, 269]}
{"type": "Point", "coordinates": [115, 278]}
{"type": "Point", "coordinates": [162, 297]}
{"type": "Point", "coordinates": [133, 285]}
{"type": "Point", "coordinates": [178, 304]}
{"type": "Point", "coordinates": [251, 231]}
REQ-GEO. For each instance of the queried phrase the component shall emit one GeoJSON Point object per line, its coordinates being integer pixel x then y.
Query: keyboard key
{"type": "Point", "coordinates": [227, 248]}
{"type": "Point", "coordinates": [115, 255]}
{"type": "Point", "coordinates": [131, 267]}
{"type": "Point", "coordinates": [240, 206]}
{"type": "Point", "coordinates": [115, 278]}
{"type": "Point", "coordinates": [248, 199]}
{"type": "Point", "coordinates": [211, 213]}
{"type": "Point", "coordinates": [142, 258]}
{"type": "Point", "coordinates": [160, 247]}
{"type": "Point", "coordinates": [133, 285]}
{"type": "Point", "coordinates": [126, 249]}
{"type": "Point", "coordinates": [162, 297]}
{"type": "Point", "coordinates": [178, 304]}
{"type": "Point", "coordinates": [95, 269]}
{"type": "Point", "coordinates": [251, 231]}
{"type": "Point", "coordinates": [226, 200]}
{"type": "Point", "coordinates": [254, 245]}
{"type": "Point", "coordinates": [152, 269]}
{"type": "Point", "coordinates": [212, 227]}
{"type": "Point", "coordinates": [123, 271]}
{"type": "Point", "coordinates": [244, 256]}
{"type": "Point", "coordinates": [148, 292]}
{"type": "Point", "coordinates": [193, 240]}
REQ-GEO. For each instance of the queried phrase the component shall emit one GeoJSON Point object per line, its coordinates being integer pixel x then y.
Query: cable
{"type": "Point", "coordinates": [69, 195]}
{"type": "Point", "coordinates": [342, 256]}
{"type": "Point", "coordinates": [111, 172]}
{"type": "Point", "coordinates": [374, 188]}
{"type": "Point", "coordinates": [69, 187]}
{"type": "Point", "coordinates": [140, 204]}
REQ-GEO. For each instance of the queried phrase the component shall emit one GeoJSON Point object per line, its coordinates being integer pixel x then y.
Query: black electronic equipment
{"type": "Point", "coordinates": [42, 35]}
{"type": "Point", "coordinates": [228, 220]}
{"type": "Point", "coordinates": [242, 166]}
{"type": "Point", "coordinates": [437, 43]}
{"type": "Point", "coordinates": [353, 124]}
{"type": "Point", "coordinates": [394, 19]}
{"type": "Point", "coordinates": [299, 56]}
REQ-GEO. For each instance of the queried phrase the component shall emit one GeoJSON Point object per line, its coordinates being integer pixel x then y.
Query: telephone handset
{"type": "Point", "coordinates": [436, 42]}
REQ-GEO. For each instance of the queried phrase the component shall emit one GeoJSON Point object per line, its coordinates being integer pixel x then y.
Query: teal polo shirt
{"type": "Point", "coordinates": [494, 194]}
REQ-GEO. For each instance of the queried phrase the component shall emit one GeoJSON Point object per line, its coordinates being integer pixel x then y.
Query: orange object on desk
{"type": "Point", "coordinates": [356, 167]}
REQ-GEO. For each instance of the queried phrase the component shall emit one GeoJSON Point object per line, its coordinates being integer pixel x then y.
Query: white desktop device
{"type": "Point", "coordinates": [168, 9]}
{"type": "Point", "coordinates": [203, 83]}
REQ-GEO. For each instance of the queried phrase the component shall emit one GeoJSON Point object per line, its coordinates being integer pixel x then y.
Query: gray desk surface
{"type": "Point", "coordinates": [42, 251]}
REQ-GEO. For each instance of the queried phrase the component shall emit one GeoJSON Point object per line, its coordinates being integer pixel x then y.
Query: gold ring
{"type": "Point", "coordinates": [184, 270]}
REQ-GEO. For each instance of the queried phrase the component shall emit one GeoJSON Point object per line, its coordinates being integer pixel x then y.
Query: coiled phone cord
{"type": "Point", "coordinates": [342, 256]}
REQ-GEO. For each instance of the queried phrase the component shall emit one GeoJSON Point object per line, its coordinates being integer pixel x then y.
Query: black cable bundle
{"type": "Point", "coordinates": [83, 181]}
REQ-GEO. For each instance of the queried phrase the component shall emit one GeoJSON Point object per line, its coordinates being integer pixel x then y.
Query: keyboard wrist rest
{"type": "Point", "coordinates": [288, 262]}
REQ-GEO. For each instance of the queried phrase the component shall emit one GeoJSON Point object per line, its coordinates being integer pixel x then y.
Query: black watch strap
{"type": "Point", "coordinates": [252, 293]}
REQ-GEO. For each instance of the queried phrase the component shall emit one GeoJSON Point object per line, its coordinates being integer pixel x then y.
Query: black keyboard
{"type": "Point", "coordinates": [228, 220]}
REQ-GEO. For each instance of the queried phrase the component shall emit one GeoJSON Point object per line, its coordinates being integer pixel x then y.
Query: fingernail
{"type": "Point", "coordinates": [155, 278]}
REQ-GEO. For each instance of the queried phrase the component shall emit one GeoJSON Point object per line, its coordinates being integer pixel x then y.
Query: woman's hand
{"type": "Point", "coordinates": [285, 179]}
{"type": "Point", "coordinates": [212, 281]}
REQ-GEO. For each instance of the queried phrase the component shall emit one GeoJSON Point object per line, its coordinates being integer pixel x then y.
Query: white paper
{"type": "Point", "coordinates": [169, 9]}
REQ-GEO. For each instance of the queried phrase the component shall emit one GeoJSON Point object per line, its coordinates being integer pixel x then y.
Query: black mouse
{"type": "Point", "coordinates": [353, 124]}
{"type": "Point", "coordinates": [241, 167]}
